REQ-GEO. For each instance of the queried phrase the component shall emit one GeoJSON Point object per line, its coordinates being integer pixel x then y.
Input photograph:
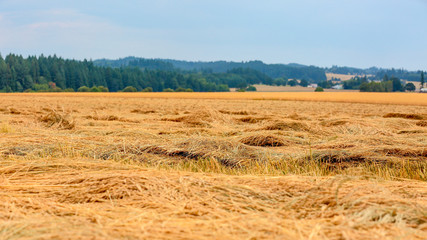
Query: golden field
{"type": "Point", "coordinates": [213, 166]}
{"type": "Point", "coordinates": [419, 99]}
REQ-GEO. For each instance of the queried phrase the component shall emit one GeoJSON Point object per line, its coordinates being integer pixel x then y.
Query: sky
{"type": "Point", "coordinates": [356, 33]}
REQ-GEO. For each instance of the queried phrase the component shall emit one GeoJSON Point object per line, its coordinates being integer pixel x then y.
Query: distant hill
{"type": "Point", "coordinates": [288, 71]}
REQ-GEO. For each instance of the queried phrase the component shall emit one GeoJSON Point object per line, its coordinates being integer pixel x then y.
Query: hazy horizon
{"type": "Point", "coordinates": [360, 34]}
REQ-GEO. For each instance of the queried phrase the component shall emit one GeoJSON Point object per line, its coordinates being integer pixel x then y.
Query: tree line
{"type": "Point", "coordinates": [364, 84]}
{"type": "Point", "coordinates": [288, 71]}
{"type": "Point", "coordinates": [377, 73]}
{"type": "Point", "coordinates": [52, 73]}
{"type": "Point", "coordinates": [392, 84]}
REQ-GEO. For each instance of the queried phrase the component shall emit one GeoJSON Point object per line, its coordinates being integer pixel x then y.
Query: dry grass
{"type": "Point", "coordinates": [263, 141]}
{"type": "Point", "coordinates": [289, 125]}
{"type": "Point", "coordinates": [406, 115]}
{"type": "Point", "coordinates": [203, 117]}
{"type": "Point", "coordinates": [183, 166]}
{"type": "Point", "coordinates": [93, 199]}
{"type": "Point", "coordinates": [422, 123]}
{"type": "Point", "coordinates": [57, 119]}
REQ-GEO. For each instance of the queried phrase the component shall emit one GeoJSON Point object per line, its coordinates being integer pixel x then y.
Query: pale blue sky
{"type": "Point", "coordinates": [358, 33]}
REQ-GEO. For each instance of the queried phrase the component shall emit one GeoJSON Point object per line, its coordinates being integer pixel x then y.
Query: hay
{"type": "Point", "coordinates": [400, 152]}
{"type": "Point", "coordinates": [234, 112]}
{"type": "Point", "coordinates": [290, 125]}
{"type": "Point", "coordinates": [415, 131]}
{"type": "Point", "coordinates": [59, 120]}
{"type": "Point", "coordinates": [228, 153]}
{"type": "Point", "coordinates": [203, 118]}
{"type": "Point", "coordinates": [110, 118]}
{"type": "Point", "coordinates": [405, 116]}
{"type": "Point", "coordinates": [54, 184]}
{"type": "Point", "coordinates": [139, 111]}
{"type": "Point", "coordinates": [14, 111]}
{"type": "Point", "coordinates": [16, 151]}
{"type": "Point", "coordinates": [251, 119]}
{"type": "Point", "coordinates": [89, 199]}
{"type": "Point", "coordinates": [103, 118]}
{"type": "Point", "coordinates": [334, 146]}
{"type": "Point", "coordinates": [422, 123]}
{"type": "Point", "coordinates": [339, 156]}
{"type": "Point", "coordinates": [263, 141]}
{"type": "Point", "coordinates": [338, 160]}
{"type": "Point", "coordinates": [334, 123]}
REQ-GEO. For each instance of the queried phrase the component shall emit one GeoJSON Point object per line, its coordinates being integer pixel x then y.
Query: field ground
{"type": "Point", "coordinates": [214, 165]}
{"type": "Point", "coordinates": [343, 77]}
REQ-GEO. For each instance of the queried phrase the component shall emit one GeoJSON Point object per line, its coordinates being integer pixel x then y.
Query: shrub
{"type": "Point", "coordinates": [103, 89]}
{"type": "Point", "coordinates": [147, 89]}
{"type": "Point", "coordinates": [241, 90]}
{"type": "Point", "coordinates": [319, 89]}
{"type": "Point", "coordinates": [55, 89]}
{"type": "Point", "coordinates": [95, 89]}
{"type": "Point", "coordinates": [129, 89]}
{"type": "Point", "coordinates": [189, 90]}
{"type": "Point", "coordinates": [83, 89]}
{"type": "Point", "coordinates": [180, 89]}
{"type": "Point", "coordinates": [41, 87]}
{"type": "Point", "coordinates": [68, 90]}
{"type": "Point", "coordinates": [251, 88]}
{"type": "Point", "coordinates": [168, 90]}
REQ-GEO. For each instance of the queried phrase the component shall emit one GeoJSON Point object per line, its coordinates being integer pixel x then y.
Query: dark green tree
{"type": "Point", "coordinates": [292, 83]}
{"type": "Point", "coordinates": [397, 85]}
{"type": "Point", "coordinates": [410, 87]}
{"type": "Point", "coordinates": [303, 83]}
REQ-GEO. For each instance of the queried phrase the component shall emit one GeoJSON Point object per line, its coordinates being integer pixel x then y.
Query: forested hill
{"type": "Point", "coordinates": [18, 74]}
{"type": "Point", "coordinates": [289, 71]}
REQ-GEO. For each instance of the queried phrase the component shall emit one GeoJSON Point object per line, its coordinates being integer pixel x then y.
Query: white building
{"type": "Point", "coordinates": [423, 90]}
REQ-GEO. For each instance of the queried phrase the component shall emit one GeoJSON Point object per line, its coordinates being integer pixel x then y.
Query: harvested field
{"type": "Point", "coordinates": [214, 165]}
{"type": "Point", "coordinates": [345, 97]}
